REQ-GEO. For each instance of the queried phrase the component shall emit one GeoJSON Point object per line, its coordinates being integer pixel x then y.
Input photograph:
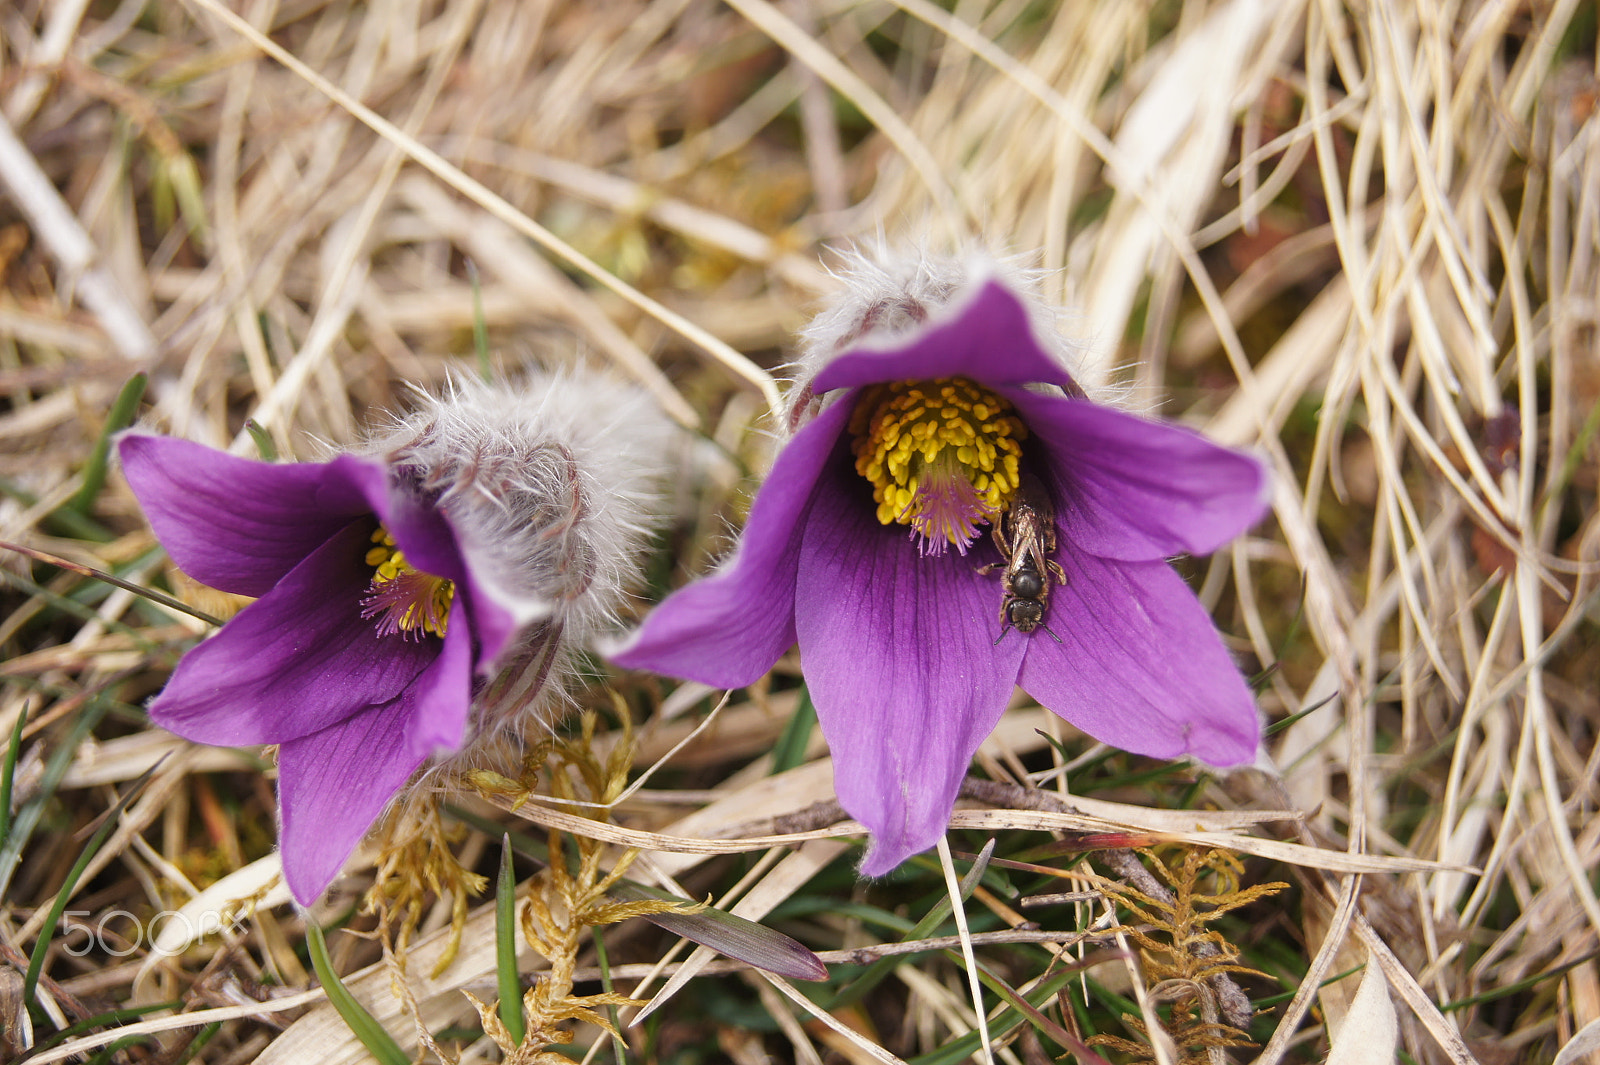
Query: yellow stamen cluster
{"type": "Point", "coordinates": [915, 440]}
{"type": "Point", "coordinates": [409, 600]}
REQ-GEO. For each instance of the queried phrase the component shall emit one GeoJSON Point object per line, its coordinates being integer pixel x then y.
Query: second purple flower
{"type": "Point", "coordinates": [936, 417]}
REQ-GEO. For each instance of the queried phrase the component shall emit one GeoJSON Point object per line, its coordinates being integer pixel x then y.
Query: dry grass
{"type": "Point", "coordinates": [1364, 242]}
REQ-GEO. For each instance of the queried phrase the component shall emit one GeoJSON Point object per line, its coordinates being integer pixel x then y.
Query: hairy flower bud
{"type": "Point", "coordinates": [553, 490]}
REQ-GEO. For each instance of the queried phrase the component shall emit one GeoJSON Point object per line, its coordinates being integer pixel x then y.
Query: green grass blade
{"type": "Point", "coordinates": [958, 1050]}
{"type": "Point", "coordinates": [70, 606]}
{"type": "Point", "coordinates": [1575, 454]}
{"type": "Point", "coordinates": [198, 1043]}
{"type": "Point", "coordinates": [183, 175]}
{"type": "Point", "coordinates": [1517, 988]}
{"type": "Point", "coordinates": [62, 521]}
{"type": "Point", "coordinates": [604, 962]}
{"type": "Point", "coordinates": [379, 1043]}
{"type": "Point", "coordinates": [41, 946]}
{"type": "Point", "coordinates": [121, 416]}
{"type": "Point", "coordinates": [104, 1020]}
{"type": "Point", "coordinates": [27, 817]}
{"type": "Point", "coordinates": [262, 440]}
{"type": "Point", "coordinates": [159, 598]}
{"type": "Point", "coordinates": [505, 946]}
{"type": "Point", "coordinates": [790, 749]}
{"type": "Point", "coordinates": [8, 771]}
{"type": "Point", "coordinates": [1063, 1038]}
{"type": "Point", "coordinates": [480, 327]}
{"type": "Point", "coordinates": [923, 929]}
{"type": "Point", "coordinates": [112, 1052]}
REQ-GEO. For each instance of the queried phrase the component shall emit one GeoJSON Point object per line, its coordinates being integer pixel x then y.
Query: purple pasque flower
{"type": "Point", "coordinates": [356, 678]}
{"type": "Point", "coordinates": [411, 600]}
{"type": "Point", "coordinates": [935, 399]}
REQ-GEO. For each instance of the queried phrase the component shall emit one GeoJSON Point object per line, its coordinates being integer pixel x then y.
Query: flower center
{"type": "Point", "coordinates": [941, 456]}
{"type": "Point", "coordinates": [402, 598]}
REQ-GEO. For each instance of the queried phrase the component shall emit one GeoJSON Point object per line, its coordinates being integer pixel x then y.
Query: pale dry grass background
{"type": "Point", "coordinates": [1363, 241]}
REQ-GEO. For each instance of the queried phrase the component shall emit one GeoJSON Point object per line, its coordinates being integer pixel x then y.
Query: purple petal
{"type": "Point", "coordinates": [899, 654]}
{"type": "Point", "coordinates": [441, 699]}
{"type": "Point", "coordinates": [332, 785]}
{"type": "Point", "coordinates": [419, 530]}
{"type": "Point", "coordinates": [989, 338]}
{"type": "Point", "coordinates": [298, 660]}
{"type": "Point", "coordinates": [1140, 665]}
{"type": "Point", "coordinates": [1137, 490]}
{"type": "Point", "coordinates": [232, 523]}
{"type": "Point", "coordinates": [727, 629]}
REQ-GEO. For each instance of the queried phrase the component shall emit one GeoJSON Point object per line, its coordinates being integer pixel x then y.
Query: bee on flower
{"type": "Point", "coordinates": [932, 418]}
{"type": "Point", "coordinates": [413, 597]}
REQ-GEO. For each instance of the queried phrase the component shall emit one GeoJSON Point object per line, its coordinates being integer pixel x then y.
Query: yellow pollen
{"type": "Point", "coordinates": [401, 597]}
{"type": "Point", "coordinates": [942, 456]}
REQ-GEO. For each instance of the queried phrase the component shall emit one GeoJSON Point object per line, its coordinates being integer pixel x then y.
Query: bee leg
{"type": "Point", "coordinates": [1056, 571]}
{"type": "Point", "coordinates": [988, 568]}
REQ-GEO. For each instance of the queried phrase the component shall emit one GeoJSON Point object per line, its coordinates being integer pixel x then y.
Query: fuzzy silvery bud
{"type": "Point", "coordinates": [553, 490]}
